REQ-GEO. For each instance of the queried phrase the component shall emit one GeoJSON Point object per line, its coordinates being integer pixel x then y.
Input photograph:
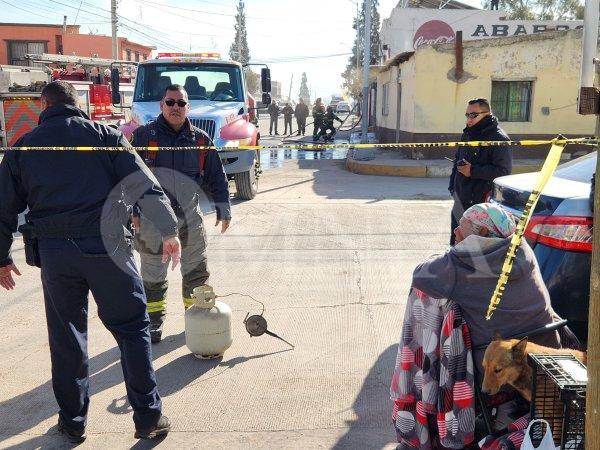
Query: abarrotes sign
{"type": "Point", "coordinates": [410, 28]}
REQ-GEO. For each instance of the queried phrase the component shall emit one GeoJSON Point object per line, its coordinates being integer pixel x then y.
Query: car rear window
{"type": "Point", "coordinates": [580, 169]}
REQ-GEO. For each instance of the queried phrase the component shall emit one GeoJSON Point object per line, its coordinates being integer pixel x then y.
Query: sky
{"type": "Point", "coordinates": [292, 36]}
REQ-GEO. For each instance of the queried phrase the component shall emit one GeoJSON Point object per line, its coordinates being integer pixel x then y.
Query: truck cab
{"type": "Point", "coordinates": [219, 105]}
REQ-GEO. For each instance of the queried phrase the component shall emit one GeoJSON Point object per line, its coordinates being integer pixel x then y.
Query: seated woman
{"type": "Point", "coordinates": [468, 273]}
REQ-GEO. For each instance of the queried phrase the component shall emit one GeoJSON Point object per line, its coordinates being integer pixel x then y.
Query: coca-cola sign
{"type": "Point", "coordinates": [433, 32]}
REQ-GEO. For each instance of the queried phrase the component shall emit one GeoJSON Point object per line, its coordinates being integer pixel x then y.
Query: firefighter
{"type": "Point", "coordinates": [328, 120]}
{"type": "Point", "coordinates": [75, 231]}
{"type": "Point", "coordinates": [288, 113]}
{"type": "Point", "coordinates": [184, 175]}
{"type": "Point", "coordinates": [318, 113]}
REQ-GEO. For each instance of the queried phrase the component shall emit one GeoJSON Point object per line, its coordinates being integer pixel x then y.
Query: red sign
{"type": "Point", "coordinates": [433, 32]}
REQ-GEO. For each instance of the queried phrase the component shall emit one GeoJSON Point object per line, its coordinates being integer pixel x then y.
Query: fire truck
{"type": "Point", "coordinates": [20, 89]}
{"type": "Point", "coordinates": [220, 106]}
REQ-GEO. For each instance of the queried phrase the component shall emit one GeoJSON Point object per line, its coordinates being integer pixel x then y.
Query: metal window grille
{"type": "Point", "coordinates": [511, 100]}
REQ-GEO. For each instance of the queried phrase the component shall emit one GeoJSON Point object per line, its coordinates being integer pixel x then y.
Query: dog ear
{"type": "Point", "coordinates": [497, 336]}
{"type": "Point", "coordinates": [518, 350]}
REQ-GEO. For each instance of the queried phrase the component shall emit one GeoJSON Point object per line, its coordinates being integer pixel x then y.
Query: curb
{"type": "Point", "coordinates": [423, 171]}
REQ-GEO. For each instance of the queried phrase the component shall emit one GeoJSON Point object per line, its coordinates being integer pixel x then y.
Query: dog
{"type": "Point", "coordinates": [505, 362]}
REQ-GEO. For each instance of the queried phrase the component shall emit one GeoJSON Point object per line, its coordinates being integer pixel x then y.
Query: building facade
{"type": "Point", "coordinates": [532, 82]}
{"type": "Point", "coordinates": [17, 40]}
{"type": "Point", "coordinates": [408, 28]}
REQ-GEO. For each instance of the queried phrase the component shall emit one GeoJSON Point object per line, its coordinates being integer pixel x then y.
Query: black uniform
{"type": "Point", "coordinates": [273, 111]}
{"type": "Point", "coordinates": [318, 113]}
{"type": "Point", "coordinates": [181, 174]}
{"type": "Point", "coordinates": [328, 120]}
{"type": "Point", "coordinates": [79, 214]}
{"type": "Point", "coordinates": [487, 163]}
{"type": "Point", "coordinates": [494, 5]}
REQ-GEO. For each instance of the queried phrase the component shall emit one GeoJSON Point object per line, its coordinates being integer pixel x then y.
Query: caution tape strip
{"type": "Point", "coordinates": [547, 171]}
{"type": "Point", "coordinates": [525, 143]}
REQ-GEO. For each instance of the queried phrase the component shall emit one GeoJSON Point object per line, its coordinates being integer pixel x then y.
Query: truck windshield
{"type": "Point", "coordinates": [215, 82]}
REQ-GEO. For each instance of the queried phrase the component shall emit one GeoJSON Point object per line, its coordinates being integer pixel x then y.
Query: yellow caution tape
{"type": "Point", "coordinates": [326, 146]}
{"type": "Point", "coordinates": [548, 169]}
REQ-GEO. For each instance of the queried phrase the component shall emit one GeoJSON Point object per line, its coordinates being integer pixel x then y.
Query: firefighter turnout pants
{"type": "Point", "coordinates": [71, 268]}
{"type": "Point", "coordinates": [194, 268]}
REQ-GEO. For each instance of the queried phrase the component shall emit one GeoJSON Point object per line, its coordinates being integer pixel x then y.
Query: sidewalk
{"type": "Point", "coordinates": [391, 163]}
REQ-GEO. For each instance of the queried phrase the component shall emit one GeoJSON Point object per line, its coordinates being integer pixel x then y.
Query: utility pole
{"type": "Point", "coordinates": [113, 21]}
{"type": "Point", "coordinates": [357, 38]}
{"type": "Point", "coordinates": [366, 63]}
{"type": "Point", "coordinates": [588, 79]}
{"type": "Point", "coordinates": [290, 92]}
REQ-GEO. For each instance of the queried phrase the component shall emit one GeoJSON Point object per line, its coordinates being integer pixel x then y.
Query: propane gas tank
{"type": "Point", "coordinates": [207, 325]}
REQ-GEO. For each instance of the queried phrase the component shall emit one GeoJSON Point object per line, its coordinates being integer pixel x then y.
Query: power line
{"type": "Point", "coordinates": [27, 11]}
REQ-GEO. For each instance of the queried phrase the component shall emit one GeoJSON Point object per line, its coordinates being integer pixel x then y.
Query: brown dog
{"type": "Point", "coordinates": [505, 362]}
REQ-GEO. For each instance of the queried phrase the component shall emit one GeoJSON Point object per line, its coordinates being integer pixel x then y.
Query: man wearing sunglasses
{"type": "Point", "coordinates": [185, 176]}
{"type": "Point", "coordinates": [475, 168]}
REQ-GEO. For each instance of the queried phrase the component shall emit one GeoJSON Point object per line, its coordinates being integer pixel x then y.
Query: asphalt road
{"type": "Point", "coordinates": [330, 253]}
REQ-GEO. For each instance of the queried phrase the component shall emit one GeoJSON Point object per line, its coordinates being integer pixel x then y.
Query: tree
{"type": "Point", "coordinates": [239, 50]}
{"type": "Point", "coordinates": [353, 76]}
{"type": "Point", "coordinates": [304, 92]}
{"type": "Point", "coordinates": [541, 9]}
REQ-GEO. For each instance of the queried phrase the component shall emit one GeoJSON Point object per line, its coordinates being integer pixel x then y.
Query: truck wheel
{"type": "Point", "coordinates": [246, 184]}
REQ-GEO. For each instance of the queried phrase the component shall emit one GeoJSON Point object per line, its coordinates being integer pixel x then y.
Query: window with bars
{"type": "Point", "coordinates": [18, 49]}
{"type": "Point", "coordinates": [511, 100]}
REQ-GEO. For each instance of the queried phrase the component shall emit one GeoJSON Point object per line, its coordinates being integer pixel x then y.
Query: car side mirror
{"type": "Point", "coordinates": [265, 79]}
{"type": "Point", "coordinates": [266, 99]}
{"type": "Point", "coordinates": [115, 86]}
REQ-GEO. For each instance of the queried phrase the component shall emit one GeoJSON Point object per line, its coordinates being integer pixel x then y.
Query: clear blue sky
{"type": "Point", "coordinates": [292, 36]}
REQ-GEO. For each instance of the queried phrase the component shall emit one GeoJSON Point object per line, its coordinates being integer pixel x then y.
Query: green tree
{"type": "Point", "coordinates": [304, 92]}
{"type": "Point", "coordinates": [541, 9]}
{"type": "Point", "coordinates": [239, 50]}
{"type": "Point", "coordinates": [352, 76]}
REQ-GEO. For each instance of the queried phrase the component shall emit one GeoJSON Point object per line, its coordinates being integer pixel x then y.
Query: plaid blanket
{"type": "Point", "coordinates": [432, 384]}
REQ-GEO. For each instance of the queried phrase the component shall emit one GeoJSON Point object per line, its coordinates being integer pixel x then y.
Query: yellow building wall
{"type": "Point", "coordinates": [550, 60]}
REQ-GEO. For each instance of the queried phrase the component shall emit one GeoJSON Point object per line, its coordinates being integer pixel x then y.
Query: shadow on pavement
{"type": "Point", "coordinates": [373, 427]}
{"type": "Point", "coordinates": [31, 408]}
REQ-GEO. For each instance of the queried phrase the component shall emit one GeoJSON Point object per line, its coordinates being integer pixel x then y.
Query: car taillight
{"type": "Point", "coordinates": [564, 232]}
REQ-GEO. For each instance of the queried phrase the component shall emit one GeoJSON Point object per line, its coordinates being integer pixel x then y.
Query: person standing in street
{"type": "Point", "coordinates": [301, 112]}
{"type": "Point", "coordinates": [75, 230]}
{"type": "Point", "coordinates": [475, 168]}
{"type": "Point", "coordinates": [273, 111]}
{"type": "Point", "coordinates": [184, 176]}
{"type": "Point", "coordinates": [318, 113]}
{"type": "Point", "coordinates": [288, 113]}
{"type": "Point", "coordinates": [494, 5]}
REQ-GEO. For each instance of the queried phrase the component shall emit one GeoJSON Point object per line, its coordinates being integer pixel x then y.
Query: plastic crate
{"type": "Point", "coordinates": [558, 396]}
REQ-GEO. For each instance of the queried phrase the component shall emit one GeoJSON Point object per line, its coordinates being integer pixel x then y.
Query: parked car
{"type": "Point", "coordinates": [342, 107]}
{"type": "Point", "coordinates": [560, 233]}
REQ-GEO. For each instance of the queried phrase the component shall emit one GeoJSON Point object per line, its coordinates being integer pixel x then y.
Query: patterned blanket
{"type": "Point", "coordinates": [432, 384]}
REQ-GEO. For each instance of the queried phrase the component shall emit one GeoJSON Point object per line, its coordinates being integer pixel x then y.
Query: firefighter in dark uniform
{"type": "Point", "coordinates": [184, 175]}
{"type": "Point", "coordinates": [328, 121]}
{"type": "Point", "coordinates": [318, 113]}
{"type": "Point", "coordinates": [76, 232]}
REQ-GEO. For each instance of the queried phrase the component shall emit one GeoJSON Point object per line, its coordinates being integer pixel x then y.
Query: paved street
{"type": "Point", "coordinates": [330, 253]}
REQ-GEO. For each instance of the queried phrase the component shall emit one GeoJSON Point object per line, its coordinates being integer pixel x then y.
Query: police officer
{"type": "Point", "coordinates": [318, 113]}
{"type": "Point", "coordinates": [75, 230]}
{"type": "Point", "coordinates": [301, 113]}
{"type": "Point", "coordinates": [328, 121]}
{"type": "Point", "coordinates": [273, 110]}
{"type": "Point", "coordinates": [181, 174]}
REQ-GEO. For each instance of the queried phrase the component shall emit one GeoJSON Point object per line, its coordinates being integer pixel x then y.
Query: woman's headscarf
{"type": "Point", "coordinates": [498, 222]}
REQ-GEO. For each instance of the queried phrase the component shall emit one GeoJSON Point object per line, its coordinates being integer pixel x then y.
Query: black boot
{"type": "Point", "coordinates": [74, 436]}
{"type": "Point", "coordinates": [156, 324]}
{"type": "Point", "coordinates": [162, 427]}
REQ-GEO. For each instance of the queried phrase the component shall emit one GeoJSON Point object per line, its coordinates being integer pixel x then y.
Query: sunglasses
{"type": "Point", "coordinates": [180, 103]}
{"type": "Point", "coordinates": [472, 115]}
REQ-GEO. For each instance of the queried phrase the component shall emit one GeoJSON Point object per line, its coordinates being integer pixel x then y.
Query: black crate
{"type": "Point", "coordinates": [558, 396]}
